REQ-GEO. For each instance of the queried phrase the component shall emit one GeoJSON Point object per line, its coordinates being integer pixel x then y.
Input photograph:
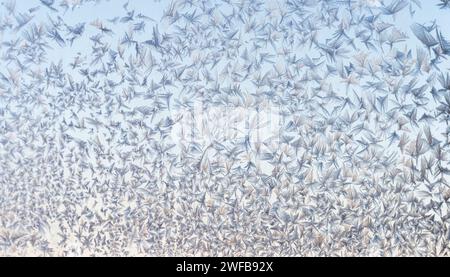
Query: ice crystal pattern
{"type": "Point", "coordinates": [224, 128]}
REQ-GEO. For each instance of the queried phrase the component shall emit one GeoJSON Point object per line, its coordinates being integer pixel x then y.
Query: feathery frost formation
{"type": "Point", "coordinates": [232, 127]}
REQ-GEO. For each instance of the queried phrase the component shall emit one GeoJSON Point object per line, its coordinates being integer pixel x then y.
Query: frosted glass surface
{"type": "Point", "coordinates": [224, 128]}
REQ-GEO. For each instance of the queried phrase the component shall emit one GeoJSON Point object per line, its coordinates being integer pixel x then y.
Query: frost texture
{"type": "Point", "coordinates": [224, 128]}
